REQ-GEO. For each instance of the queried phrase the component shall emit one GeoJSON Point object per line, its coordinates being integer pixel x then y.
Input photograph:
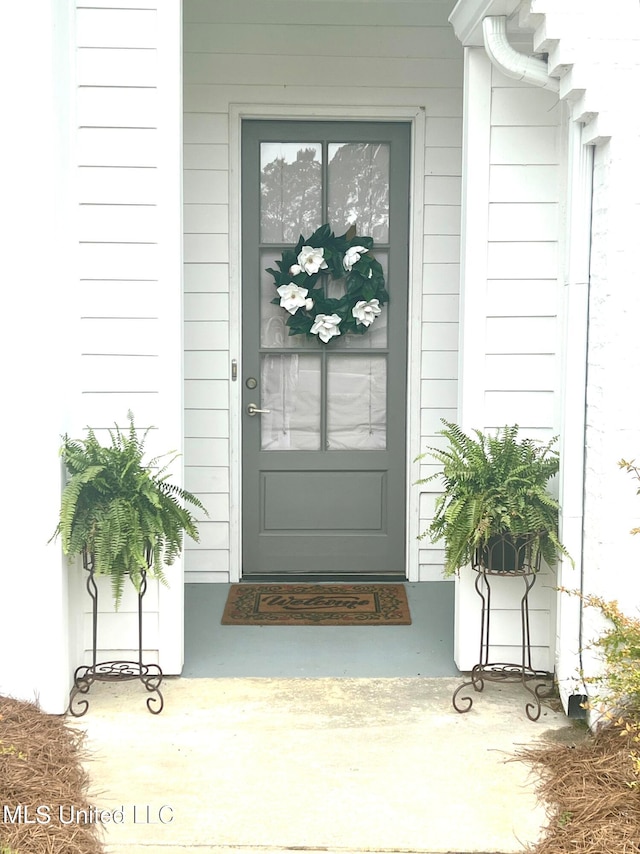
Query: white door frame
{"type": "Point", "coordinates": [416, 115]}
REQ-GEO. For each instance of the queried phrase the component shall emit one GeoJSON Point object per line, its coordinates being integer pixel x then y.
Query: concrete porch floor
{"type": "Point", "coordinates": [260, 765]}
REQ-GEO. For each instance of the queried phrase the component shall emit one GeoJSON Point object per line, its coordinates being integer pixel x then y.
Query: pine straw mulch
{"type": "Point", "coordinates": [41, 766]}
{"type": "Point", "coordinates": [585, 786]}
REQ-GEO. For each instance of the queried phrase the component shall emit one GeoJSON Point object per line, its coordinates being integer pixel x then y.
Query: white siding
{"type": "Point", "coordinates": [521, 344]}
{"type": "Point", "coordinates": [613, 409]}
{"type": "Point", "coordinates": [596, 57]}
{"type": "Point", "coordinates": [248, 52]}
{"type": "Point", "coordinates": [129, 292]}
{"type": "Point", "coordinates": [511, 338]}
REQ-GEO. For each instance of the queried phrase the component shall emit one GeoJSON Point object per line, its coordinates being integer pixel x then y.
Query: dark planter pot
{"type": "Point", "coordinates": [506, 553]}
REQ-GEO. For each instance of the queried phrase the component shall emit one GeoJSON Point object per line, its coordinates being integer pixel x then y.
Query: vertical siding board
{"type": "Point", "coordinates": [361, 40]}
{"type": "Point", "coordinates": [119, 336]}
{"type": "Point", "coordinates": [109, 298]}
{"type": "Point", "coordinates": [442, 219]}
{"type": "Point", "coordinates": [117, 147]}
{"type": "Point", "coordinates": [115, 185]}
{"type": "Point", "coordinates": [206, 128]}
{"type": "Point", "coordinates": [522, 297]}
{"type": "Point", "coordinates": [206, 277]}
{"type": "Point", "coordinates": [208, 186]}
{"type": "Point", "coordinates": [202, 423]}
{"type": "Point", "coordinates": [119, 4]}
{"type": "Point", "coordinates": [103, 28]}
{"type": "Point", "coordinates": [206, 219]}
{"type": "Point", "coordinates": [444, 161]}
{"type": "Point", "coordinates": [118, 223]}
{"type": "Point", "coordinates": [442, 190]}
{"type": "Point", "coordinates": [524, 183]}
{"type": "Point", "coordinates": [268, 12]}
{"type": "Point", "coordinates": [102, 409]}
{"type": "Point", "coordinates": [512, 259]}
{"type": "Point", "coordinates": [119, 373]}
{"type": "Point", "coordinates": [206, 306]}
{"type": "Point", "coordinates": [206, 248]}
{"type": "Point", "coordinates": [532, 145]}
{"type": "Point", "coordinates": [441, 132]}
{"type": "Point", "coordinates": [116, 67]}
{"type": "Point", "coordinates": [211, 97]}
{"type": "Point", "coordinates": [117, 107]}
{"type": "Point", "coordinates": [523, 222]}
{"type": "Point", "coordinates": [229, 69]}
{"type": "Point", "coordinates": [440, 278]}
{"type": "Point", "coordinates": [524, 106]}
{"type": "Point", "coordinates": [118, 261]}
{"type": "Point", "coordinates": [440, 336]}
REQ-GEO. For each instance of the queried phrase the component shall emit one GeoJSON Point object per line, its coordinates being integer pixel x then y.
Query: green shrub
{"type": "Point", "coordinates": [617, 689]}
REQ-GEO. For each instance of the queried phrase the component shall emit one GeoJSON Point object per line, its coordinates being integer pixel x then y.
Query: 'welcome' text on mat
{"type": "Point", "coordinates": [317, 605]}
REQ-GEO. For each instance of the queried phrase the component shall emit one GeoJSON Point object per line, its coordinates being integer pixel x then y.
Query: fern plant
{"type": "Point", "coordinates": [494, 486]}
{"type": "Point", "coordinates": [121, 512]}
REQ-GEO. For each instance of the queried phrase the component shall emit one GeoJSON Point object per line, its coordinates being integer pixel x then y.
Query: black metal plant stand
{"type": "Point", "coordinates": [487, 671]}
{"type": "Point", "coordinates": [114, 671]}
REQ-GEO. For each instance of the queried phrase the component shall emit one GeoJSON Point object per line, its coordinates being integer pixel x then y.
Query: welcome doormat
{"type": "Point", "coordinates": [317, 605]}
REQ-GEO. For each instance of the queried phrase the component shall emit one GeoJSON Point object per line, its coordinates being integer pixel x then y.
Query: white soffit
{"type": "Point", "coordinates": [467, 16]}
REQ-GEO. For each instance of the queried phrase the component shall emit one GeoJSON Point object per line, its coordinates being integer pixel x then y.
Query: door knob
{"type": "Point", "coordinates": [252, 409]}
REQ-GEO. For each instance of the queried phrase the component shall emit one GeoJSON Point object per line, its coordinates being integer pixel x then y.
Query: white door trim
{"type": "Point", "coordinates": [415, 114]}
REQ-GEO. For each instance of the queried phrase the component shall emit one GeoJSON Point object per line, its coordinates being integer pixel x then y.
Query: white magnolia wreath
{"type": "Point", "coordinates": [301, 285]}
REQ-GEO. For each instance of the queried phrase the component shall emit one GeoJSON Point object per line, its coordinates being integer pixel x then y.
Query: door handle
{"type": "Point", "coordinates": [252, 409]}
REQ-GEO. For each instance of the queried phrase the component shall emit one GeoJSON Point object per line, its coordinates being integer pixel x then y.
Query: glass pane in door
{"type": "Point", "coordinates": [274, 331]}
{"type": "Point", "coordinates": [359, 188]}
{"type": "Point", "coordinates": [375, 338]}
{"type": "Point", "coordinates": [290, 190]}
{"type": "Point", "coordinates": [356, 402]}
{"type": "Point", "coordinates": [290, 386]}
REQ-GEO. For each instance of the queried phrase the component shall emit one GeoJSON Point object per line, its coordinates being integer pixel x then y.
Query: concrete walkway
{"type": "Point", "coordinates": [259, 766]}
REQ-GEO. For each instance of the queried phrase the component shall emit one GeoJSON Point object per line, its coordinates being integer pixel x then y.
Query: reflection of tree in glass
{"type": "Point", "coordinates": [359, 189]}
{"type": "Point", "coordinates": [290, 197]}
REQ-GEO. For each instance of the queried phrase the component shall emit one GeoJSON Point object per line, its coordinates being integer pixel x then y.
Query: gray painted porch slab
{"type": "Point", "coordinates": [425, 648]}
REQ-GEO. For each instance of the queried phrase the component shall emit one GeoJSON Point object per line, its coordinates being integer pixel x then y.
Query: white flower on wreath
{"type": "Point", "coordinates": [326, 326]}
{"type": "Point", "coordinates": [311, 260]}
{"type": "Point", "coordinates": [293, 297]}
{"type": "Point", "coordinates": [352, 256]}
{"type": "Point", "coordinates": [366, 312]}
{"type": "Point", "coordinates": [294, 269]}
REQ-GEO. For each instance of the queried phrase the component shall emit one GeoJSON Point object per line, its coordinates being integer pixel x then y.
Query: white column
{"type": "Point", "coordinates": [169, 17]}
{"type": "Point", "coordinates": [37, 272]}
{"type": "Point", "coordinates": [473, 289]}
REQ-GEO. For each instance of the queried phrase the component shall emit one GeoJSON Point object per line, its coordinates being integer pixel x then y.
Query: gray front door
{"type": "Point", "coordinates": [324, 465]}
